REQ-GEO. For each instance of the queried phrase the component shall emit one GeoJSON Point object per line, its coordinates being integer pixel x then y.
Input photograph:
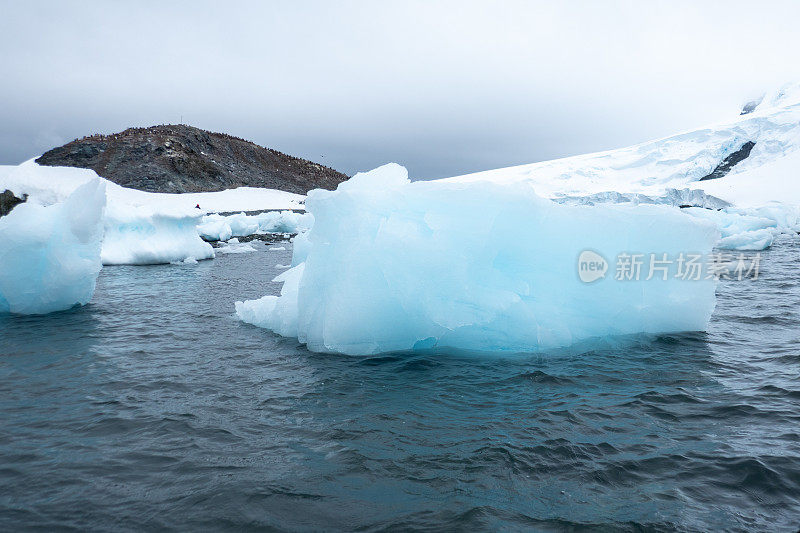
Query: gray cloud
{"type": "Point", "coordinates": [441, 87]}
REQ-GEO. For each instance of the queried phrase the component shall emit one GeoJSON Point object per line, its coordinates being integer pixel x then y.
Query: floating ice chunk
{"type": "Point", "coordinates": [748, 240]}
{"type": "Point", "coordinates": [215, 228]}
{"type": "Point", "coordinates": [50, 257]}
{"type": "Point", "coordinates": [242, 225]}
{"type": "Point", "coordinates": [221, 228]}
{"type": "Point", "coordinates": [750, 229]}
{"type": "Point", "coordinates": [266, 313]}
{"type": "Point", "coordinates": [187, 261]}
{"type": "Point", "coordinates": [276, 248]}
{"type": "Point", "coordinates": [393, 265]}
{"type": "Point", "coordinates": [233, 246]}
{"type": "Point", "coordinates": [139, 236]}
{"type": "Point", "coordinates": [284, 222]}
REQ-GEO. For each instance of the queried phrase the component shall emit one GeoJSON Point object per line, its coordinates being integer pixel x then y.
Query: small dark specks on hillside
{"type": "Point", "coordinates": [180, 158]}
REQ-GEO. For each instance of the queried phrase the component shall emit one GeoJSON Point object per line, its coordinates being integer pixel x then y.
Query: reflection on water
{"type": "Point", "coordinates": [154, 408]}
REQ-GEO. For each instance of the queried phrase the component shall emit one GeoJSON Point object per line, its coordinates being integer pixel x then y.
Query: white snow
{"type": "Point", "coordinates": [752, 185]}
{"type": "Point", "coordinates": [50, 256]}
{"type": "Point", "coordinates": [233, 246]}
{"type": "Point", "coordinates": [679, 161]}
{"type": "Point", "coordinates": [393, 265]}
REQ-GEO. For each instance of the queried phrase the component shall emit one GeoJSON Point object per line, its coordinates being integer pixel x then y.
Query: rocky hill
{"type": "Point", "coordinates": [180, 158]}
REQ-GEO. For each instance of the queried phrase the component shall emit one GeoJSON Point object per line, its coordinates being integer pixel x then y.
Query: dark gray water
{"type": "Point", "coordinates": [154, 409]}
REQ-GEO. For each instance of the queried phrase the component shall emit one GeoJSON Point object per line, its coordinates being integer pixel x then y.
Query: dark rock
{"type": "Point", "coordinates": [181, 158]}
{"type": "Point", "coordinates": [749, 107]}
{"type": "Point", "coordinates": [728, 163]}
{"type": "Point", "coordinates": [8, 201]}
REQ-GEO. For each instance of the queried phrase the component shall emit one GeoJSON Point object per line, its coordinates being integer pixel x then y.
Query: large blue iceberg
{"type": "Point", "coordinates": [391, 265]}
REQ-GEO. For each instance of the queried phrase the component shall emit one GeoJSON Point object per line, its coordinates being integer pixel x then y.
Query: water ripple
{"type": "Point", "coordinates": [153, 409]}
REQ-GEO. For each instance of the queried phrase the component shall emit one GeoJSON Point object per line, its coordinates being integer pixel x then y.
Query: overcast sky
{"type": "Point", "coordinates": [444, 88]}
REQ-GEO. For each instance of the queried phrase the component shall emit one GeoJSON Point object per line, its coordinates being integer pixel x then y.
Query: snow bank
{"type": "Point", "coordinates": [50, 256]}
{"type": "Point", "coordinates": [221, 228]}
{"type": "Point", "coordinates": [392, 265]}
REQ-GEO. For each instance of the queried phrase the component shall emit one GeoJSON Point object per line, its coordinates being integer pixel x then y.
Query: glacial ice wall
{"type": "Point", "coordinates": [50, 257]}
{"type": "Point", "coordinates": [391, 265]}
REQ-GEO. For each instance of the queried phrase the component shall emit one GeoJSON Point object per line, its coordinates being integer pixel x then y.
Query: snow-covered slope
{"type": "Point", "coordinates": [749, 166]}
{"type": "Point", "coordinates": [756, 184]}
{"type": "Point", "coordinates": [680, 161]}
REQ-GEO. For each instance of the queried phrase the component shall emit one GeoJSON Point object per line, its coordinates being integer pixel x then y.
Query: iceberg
{"type": "Point", "coordinates": [391, 265]}
{"type": "Point", "coordinates": [144, 236]}
{"type": "Point", "coordinates": [50, 258]}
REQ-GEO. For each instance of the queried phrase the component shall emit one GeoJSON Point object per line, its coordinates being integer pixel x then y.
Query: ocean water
{"type": "Point", "coordinates": [154, 409]}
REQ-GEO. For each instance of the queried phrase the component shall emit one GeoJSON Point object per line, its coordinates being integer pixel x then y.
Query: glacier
{"type": "Point", "coordinates": [50, 258]}
{"type": "Point", "coordinates": [394, 265]}
{"type": "Point", "coordinates": [678, 170]}
{"type": "Point", "coordinates": [680, 161]}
